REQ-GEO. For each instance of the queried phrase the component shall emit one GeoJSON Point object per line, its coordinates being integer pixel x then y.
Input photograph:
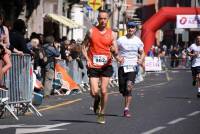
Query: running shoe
{"type": "Point", "coordinates": [127, 113]}
{"type": "Point", "coordinates": [96, 107]}
{"type": "Point", "coordinates": [101, 118]}
{"type": "Point", "coordinates": [194, 82]}
{"type": "Point", "coordinates": [198, 94]}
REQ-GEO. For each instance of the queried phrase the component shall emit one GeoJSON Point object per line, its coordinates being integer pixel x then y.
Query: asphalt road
{"type": "Point", "coordinates": [164, 103]}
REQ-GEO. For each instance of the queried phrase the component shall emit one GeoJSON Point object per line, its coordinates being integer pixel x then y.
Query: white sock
{"type": "Point", "coordinates": [199, 89]}
{"type": "Point", "coordinates": [126, 108]}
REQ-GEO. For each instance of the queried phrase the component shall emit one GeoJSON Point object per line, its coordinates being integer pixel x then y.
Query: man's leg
{"type": "Point", "coordinates": [104, 98]}
{"type": "Point", "coordinates": [194, 80]}
{"type": "Point", "coordinates": [198, 84]}
{"type": "Point", "coordinates": [49, 76]}
{"type": "Point", "coordinates": [128, 101]}
{"type": "Point", "coordinates": [128, 98]}
{"type": "Point", "coordinates": [94, 92]}
{"type": "Point", "coordinates": [104, 95]}
{"type": "Point", "coordinates": [194, 76]}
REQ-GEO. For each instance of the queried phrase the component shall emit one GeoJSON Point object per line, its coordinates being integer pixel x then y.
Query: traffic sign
{"type": "Point", "coordinates": [95, 4]}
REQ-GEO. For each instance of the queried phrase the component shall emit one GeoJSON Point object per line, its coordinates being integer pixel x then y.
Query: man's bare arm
{"type": "Point", "coordinates": [114, 47]}
{"type": "Point", "coordinates": [142, 56]}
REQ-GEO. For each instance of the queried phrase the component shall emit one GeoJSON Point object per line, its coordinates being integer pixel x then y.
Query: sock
{"type": "Point", "coordinates": [199, 89]}
{"type": "Point", "coordinates": [126, 108]}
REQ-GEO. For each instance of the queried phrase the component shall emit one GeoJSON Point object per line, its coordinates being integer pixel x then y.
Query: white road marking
{"type": "Point", "coordinates": [167, 76]}
{"type": "Point", "coordinates": [159, 84]}
{"type": "Point", "coordinates": [154, 130]}
{"type": "Point", "coordinates": [175, 71]}
{"type": "Point", "coordinates": [170, 123]}
{"type": "Point", "coordinates": [194, 113]}
{"type": "Point", "coordinates": [176, 121]}
{"type": "Point", "coordinates": [42, 128]}
{"type": "Point", "coordinates": [10, 126]}
{"type": "Point", "coordinates": [27, 129]}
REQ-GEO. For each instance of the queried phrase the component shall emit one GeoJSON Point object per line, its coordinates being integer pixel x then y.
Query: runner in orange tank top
{"type": "Point", "coordinates": [98, 47]}
{"type": "Point", "coordinates": [99, 50]}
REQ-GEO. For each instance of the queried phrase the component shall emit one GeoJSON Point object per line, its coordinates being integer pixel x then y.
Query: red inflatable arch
{"type": "Point", "coordinates": [159, 19]}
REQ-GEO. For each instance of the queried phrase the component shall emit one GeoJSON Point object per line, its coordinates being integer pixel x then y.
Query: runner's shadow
{"type": "Point", "coordinates": [112, 115]}
{"type": "Point", "coordinates": [75, 121]}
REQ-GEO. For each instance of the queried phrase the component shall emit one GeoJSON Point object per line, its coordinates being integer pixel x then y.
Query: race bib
{"type": "Point", "coordinates": [100, 59]}
{"type": "Point", "coordinates": [129, 68]}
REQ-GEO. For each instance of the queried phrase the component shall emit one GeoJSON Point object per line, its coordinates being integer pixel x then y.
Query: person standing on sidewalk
{"type": "Point", "coordinates": [98, 47]}
{"type": "Point", "coordinates": [131, 53]}
{"type": "Point", "coordinates": [194, 53]}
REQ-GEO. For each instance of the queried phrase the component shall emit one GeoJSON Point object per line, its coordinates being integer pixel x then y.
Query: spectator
{"type": "Point", "coordinates": [17, 40]}
{"type": "Point", "coordinates": [5, 62]}
{"type": "Point", "coordinates": [50, 52]}
{"type": "Point", "coordinates": [151, 52]}
{"type": "Point", "coordinates": [33, 46]}
{"type": "Point", "coordinates": [174, 57]}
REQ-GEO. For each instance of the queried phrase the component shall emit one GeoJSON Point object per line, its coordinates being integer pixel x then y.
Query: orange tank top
{"type": "Point", "coordinates": [99, 50]}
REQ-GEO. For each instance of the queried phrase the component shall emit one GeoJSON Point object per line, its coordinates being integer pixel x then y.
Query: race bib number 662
{"type": "Point", "coordinates": [100, 59]}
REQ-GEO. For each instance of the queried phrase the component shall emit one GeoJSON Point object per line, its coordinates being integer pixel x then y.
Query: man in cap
{"type": "Point", "coordinates": [131, 52]}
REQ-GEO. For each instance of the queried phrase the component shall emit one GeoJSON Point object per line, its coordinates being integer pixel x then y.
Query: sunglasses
{"type": "Point", "coordinates": [131, 26]}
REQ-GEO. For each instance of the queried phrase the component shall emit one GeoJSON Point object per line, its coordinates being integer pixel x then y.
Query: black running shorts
{"type": "Point", "coordinates": [123, 78]}
{"type": "Point", "coordinates": [106, 71]}
{"type": "Point", "coordinates": [195, 70]}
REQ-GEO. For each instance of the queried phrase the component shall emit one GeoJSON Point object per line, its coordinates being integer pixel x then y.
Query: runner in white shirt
{"type": "Point", "coordinates": [130, 49]}
{"type": "Point", "coordinates": [194, 52]}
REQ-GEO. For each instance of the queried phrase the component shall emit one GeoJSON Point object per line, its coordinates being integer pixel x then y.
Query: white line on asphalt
{"type": "Point", "coordinates": [157, 72]}
{"type": "Point", "coordinates": [159, 84]}
{"type": "Point", "coordinates": [176, 121]}
{"type": "Point", "coordinates": [175, 71]}
{"type": "Point", "coordinates": [154, 130]}
{"type": "Point", "coordinates": [167, 76]}
{"type": "Point", "coordinates": [194, 113]}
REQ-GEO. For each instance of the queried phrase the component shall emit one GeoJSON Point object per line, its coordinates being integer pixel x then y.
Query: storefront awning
{"type": "Point", "coordinates": [63, 20]}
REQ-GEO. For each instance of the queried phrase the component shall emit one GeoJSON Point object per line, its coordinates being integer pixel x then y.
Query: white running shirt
{"type": "Point", "coordinates": [196, 60]}
{"type": "Point", "coordinates": [129, 49]}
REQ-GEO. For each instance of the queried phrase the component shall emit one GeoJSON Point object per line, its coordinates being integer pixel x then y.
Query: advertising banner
{"type": "Point", "coordinates": [188, 21]}
{"type": "Point", "coordinates": [152, 64]}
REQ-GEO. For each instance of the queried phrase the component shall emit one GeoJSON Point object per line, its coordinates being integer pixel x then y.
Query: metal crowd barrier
{"type": "Point", "coordinates": [20, 90]}
{"type": "Point", "coordinates": [169, 62]}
